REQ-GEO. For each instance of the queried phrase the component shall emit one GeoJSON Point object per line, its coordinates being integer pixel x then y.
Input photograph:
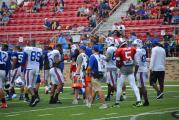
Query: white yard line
{"type": "Point", "coordinates": [42, 115]}
{"type": "Point", "coordinates": [111, 114]}
{"type": "Point", "coordinates": [12, 115]}
{"type": "Point", "coordinates": [77, 114]}
{"type": "Point", "coordinates": [151, 113]}
{"type": "Point", "coordinates": [145, 113]}
{"type": "Point", "coordinates": [51, 108]}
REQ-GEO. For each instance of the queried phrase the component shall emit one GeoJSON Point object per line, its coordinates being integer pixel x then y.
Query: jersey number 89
{"type": "Point", "coordinates": [35, 56]}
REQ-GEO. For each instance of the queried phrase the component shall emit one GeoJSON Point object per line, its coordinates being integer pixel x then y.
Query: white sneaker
{"type": "Point", "coordinates": [75, 102]}
{"type": "Point", "coordinates": [14, 96]}
{"type": "Point", "coordinates": [103, 106]}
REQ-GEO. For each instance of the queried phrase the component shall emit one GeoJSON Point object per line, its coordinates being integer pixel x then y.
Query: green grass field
{"type": "Point", "coordinates": [164, 109]}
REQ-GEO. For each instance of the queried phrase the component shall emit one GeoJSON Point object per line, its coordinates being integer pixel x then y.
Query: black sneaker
{"type": "Point", "coordinates": [160, 95]}
{"type": "Point", "coordinates": [146, 103]}
{"type": "Point", "coordinates": [138, 104]}
{"type": "Point", "coordinates": [34, 102]}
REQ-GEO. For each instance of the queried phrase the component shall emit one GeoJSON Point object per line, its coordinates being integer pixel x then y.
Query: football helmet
{"type": "Point", "coordinates": [138, 43]}
{"type": "Point", "coordinates": [19, 82]}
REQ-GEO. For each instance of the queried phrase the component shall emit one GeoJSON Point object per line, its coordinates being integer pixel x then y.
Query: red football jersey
{"type": "Point", "coordinates": [126, 56]}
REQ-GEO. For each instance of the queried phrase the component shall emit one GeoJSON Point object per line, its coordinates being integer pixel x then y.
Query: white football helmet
{"type": "Point", "coordinates": [109, 41]}
{"type": "Point", "coordinates": [19, 82]}
{"type": "Point", "coordinates": [138, 43]}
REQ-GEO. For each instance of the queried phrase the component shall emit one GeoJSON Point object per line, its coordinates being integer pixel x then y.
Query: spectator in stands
{"type": "Point", "coordinates": [140, 14]}
{"type": "Point", "coordinates": [61, 6]}
{"type": "Point", "coordinates": [103, 9]}
{"type": "Point", "coordinates": [54, 24]}
{"type": "Point", "coordinates": [55, 7]}
{"type": "Point", "coordinates": [5, 18]}
{"type": "Point", "coordinates": [4, 7]}
{"type": "Point", "coordinates": [44, 2]}
{"type": "Point", "coordinates": [62, 41]}
{"type": "Point", "coordinates": [167, 16]}
{"type": "Point", "coordinates": [12, 6]}
{"type": "Point", "coordinates": [93, 20]}
{"type": "Point", "coordinates": [47, 24]}
{"type": "Point", "coordinates": [81, 11]}
{"type": "Point", "coordinates": [37, 6]}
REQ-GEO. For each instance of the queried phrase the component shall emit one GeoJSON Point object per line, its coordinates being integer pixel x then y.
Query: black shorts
{"type": "Point", "coordinates": [156, 75]}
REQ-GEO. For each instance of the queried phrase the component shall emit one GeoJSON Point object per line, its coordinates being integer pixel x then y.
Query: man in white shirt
{"type": "Point", "coordinates": [157, 67]}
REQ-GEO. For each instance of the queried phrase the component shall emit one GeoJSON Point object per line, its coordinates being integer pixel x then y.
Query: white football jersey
{"type": "Point", "coordinates": [110, 56]}
{"type": "Point", "coordinates": [34, 57]}
{"type": "Point", "coordinates": [141, 61]}
{"type": "Point", "coordinates": [55, 54]}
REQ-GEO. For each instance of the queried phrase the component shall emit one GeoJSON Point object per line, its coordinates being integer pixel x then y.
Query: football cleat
{"type": "Point", "coordinates": [138, 104]}
{"type": "Point", "coordinates": [160, 95]}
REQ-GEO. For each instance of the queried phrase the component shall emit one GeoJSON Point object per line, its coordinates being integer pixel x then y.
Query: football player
{"type": "Point", "coordinates": [16, 58]}
{"type": "Point", "coordinates": [125, 61]}
{"type": "Point", "coordinates": [111, 69]}
{"type": "Point", "coordinates": [46, 50]}
{"type": "Point", "coordinates": [57, 78]}
{"type": "Point", "coordinates": [32, 61]}
{"type": "Point", "coordinates": [3, 64]}
{"type": "Point", "coordinates": [142, 75]}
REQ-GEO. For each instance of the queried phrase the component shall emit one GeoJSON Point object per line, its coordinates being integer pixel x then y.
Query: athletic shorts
{"type": "Point", "coordinates": [56, 76]}
{"type": "Point", "coordinates": [31, 77]}
{"type": "Point", "coordinates": [96, 86]}
{"type": "Point", "coordinates": [156, 75]}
